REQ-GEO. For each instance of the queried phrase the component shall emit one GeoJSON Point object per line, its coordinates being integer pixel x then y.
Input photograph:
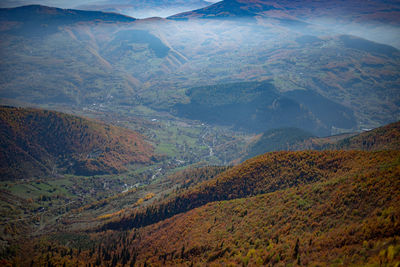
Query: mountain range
{"type": "Point", "coordinates": [133, 8]}
{"type": "Point", "coordinates": [146, 9]}
{"type": "Point", "coordinates": [356, 10]}
{"type": "Point", "coordinates": [79, 57]}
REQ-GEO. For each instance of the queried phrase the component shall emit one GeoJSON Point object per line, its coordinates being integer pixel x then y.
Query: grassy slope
{"type": "Point", "coordinates": [40, 142]}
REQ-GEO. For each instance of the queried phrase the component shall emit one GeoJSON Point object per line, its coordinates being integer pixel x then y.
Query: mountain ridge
{"type": "Point", "coordinates": [31, 12]}
{"type": "Point", "coordinates": [34, 20]}
{"type": "Point", "coordinates": [297, 12]}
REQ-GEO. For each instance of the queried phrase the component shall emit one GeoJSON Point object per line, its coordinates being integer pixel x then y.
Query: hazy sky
{"type": "Point", "coordinates": [115, 6]}
{"type": "Point", "coordinates": [58, 3]}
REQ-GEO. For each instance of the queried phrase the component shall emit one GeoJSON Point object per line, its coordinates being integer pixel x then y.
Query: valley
{"type": "Point", "coordinates": [190, 133]}
{"type": "Point", "coordinates": [102, 62]}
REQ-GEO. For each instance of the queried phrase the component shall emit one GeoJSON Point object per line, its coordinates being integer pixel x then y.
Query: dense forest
{"type": "Point", "coordinates": [38, 142]}
{"type": "Point", "coordinates": [343, 211]}
{"type": "Point", "coordinates": [260, 106]}
{"type": "Point", "coordinates": [280, 208]}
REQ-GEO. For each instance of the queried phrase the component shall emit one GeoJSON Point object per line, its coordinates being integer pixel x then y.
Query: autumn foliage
{"type": "Point", "coordinates": [263, 174]}
{"type": "Point", "coordinates": [307, 208]}
{"type": "Point", "coordinates": [287, 208]}
{"type": "Point", "coordinates": [382, 138]}
{"type": "Point", "coordinates": [349, 217]}
{"type": "Point", "coordinates": [39, 142]}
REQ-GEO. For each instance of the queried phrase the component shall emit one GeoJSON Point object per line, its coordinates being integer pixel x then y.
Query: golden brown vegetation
{"type": "Point", "coordinates": [308, 208]}
{"type": "Point", "coordinates": [287, 208]}
{"type": "Point", "coordinates": [382, 138]}
{"type": "Point", "coordinates": [349, 218]}
{"type": "Point", "coordinates": [263, 174]}
{"type": "Point", "coordinates": [40, 142]}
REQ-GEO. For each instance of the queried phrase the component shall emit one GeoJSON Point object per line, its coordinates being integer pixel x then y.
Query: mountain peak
{"type": "Point", "coordinates": [46, 14]}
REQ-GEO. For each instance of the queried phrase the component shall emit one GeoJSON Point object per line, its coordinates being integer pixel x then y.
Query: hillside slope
{"type": "Point", "coordinates": [335, 220]}
{"type": "Point", "coordinates": [382, 138]}
{"type": "Point", "coordinates": [263, 174]}
{"type": "Point", "coordinates": [39, 142]}
{"type": "Point", "coordinates": [300, 208]}
{"type": "Point", "coordinates": [269, 173]}
{"type": "Point", "coordinates": [277, 140]}
{"type": "Point", "coordinates": [54, 55]}
{"type": "Point", "coordinates": [292, 139]}
{"type": "Point", "coordinates": [259, 106]}
{"type": "Point", "coordinates": [281, 208]}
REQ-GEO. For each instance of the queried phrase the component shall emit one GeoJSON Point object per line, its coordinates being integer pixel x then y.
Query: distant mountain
{"type": "Point", "coordinates": [291, 11]}
{"type": "Point", "coordinates": [37, 19]}
{"type": "Point", "coordinates": [78, 56]}
{"type": "Point", "coordinates": [135, 8]}
{"type": "Point", "coordinates": [230, 9]}
{"type": "Point", "coordinates": [327, 82]}
{"type": "Point", "coordinates": [144, 9]}
{"type": "Point", "coordinates": [39, 143]}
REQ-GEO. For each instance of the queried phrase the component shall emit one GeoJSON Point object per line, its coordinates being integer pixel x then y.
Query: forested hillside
{"type": "Point", "coordinates": [293, 139]}
{"type": "Point", "coordinates": [267, 173]}
{"type": "Point", "coordinates": [39, 142]}
{"type": "Point", "coordinates": [282, 139]}
{"type": "Point", "coordinates": [382, 138]}
{"type": "Point", "coordinates": [259, 106]}
{"type": "Point", "coordinates": [304, 208]}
